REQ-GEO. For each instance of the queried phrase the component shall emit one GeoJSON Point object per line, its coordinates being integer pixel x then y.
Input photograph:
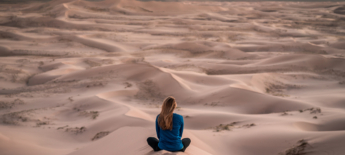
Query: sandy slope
{"type": "Point", "coordinates": [84, 78]}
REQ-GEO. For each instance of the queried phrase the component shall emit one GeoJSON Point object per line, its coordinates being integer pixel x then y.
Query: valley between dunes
{"type": "Point", "coordinates": [250, 78]}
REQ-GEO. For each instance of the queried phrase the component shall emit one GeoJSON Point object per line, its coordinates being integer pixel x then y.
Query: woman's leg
{"type": "Point", "coordinates": [153, 142]}
{"type": "Point", "coordinates": [185, 142]}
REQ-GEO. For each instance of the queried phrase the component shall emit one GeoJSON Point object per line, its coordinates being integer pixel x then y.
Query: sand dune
{"type": "Point", "coordinates": [88, 77]}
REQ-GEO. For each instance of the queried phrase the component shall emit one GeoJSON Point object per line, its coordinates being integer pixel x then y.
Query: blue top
{"type": "Point", "coordinates": [171, 139]}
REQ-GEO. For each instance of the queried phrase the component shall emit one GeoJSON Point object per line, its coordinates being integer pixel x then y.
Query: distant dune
{"type": "Point", "coordinates": [89, 77]}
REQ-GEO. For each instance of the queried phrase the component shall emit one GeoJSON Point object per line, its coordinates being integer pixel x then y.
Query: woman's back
{"type": "Point", "coordinates": [171, 139]}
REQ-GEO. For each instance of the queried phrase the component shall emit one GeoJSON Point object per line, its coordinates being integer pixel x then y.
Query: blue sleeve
{"type": "Point", "coordinates": [182, 125]}
{"type": "Point", "coordinates": [157, 127]}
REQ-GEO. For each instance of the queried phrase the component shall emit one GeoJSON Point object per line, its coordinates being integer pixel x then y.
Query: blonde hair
{"type": "Point", "coordinates": [166, 116]}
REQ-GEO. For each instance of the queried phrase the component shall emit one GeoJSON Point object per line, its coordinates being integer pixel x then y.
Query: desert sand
{"type": "Point", "coordinates": [250, 78]}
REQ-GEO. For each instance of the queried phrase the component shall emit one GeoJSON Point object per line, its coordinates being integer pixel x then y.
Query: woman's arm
{"type": "Point", "coordinates": [157, 127]}
{"type": "Point", "coordinates": [182, 125]}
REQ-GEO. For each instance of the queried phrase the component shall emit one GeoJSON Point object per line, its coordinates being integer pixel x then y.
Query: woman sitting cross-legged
{"type": "Point", "coordinates": [169, 128]}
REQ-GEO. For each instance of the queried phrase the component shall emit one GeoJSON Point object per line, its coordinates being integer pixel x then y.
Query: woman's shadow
{"type": "Point", "coordinates": [152, 152]}
{"type": "Point", "coordinates": [159, 153]}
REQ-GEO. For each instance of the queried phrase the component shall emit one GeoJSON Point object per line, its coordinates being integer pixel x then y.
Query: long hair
{"type": "Point", "coordinates": [166, 116]}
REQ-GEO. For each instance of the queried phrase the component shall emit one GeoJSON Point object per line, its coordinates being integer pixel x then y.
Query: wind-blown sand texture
{"type": "Point", "coordinates": [86, 78]}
